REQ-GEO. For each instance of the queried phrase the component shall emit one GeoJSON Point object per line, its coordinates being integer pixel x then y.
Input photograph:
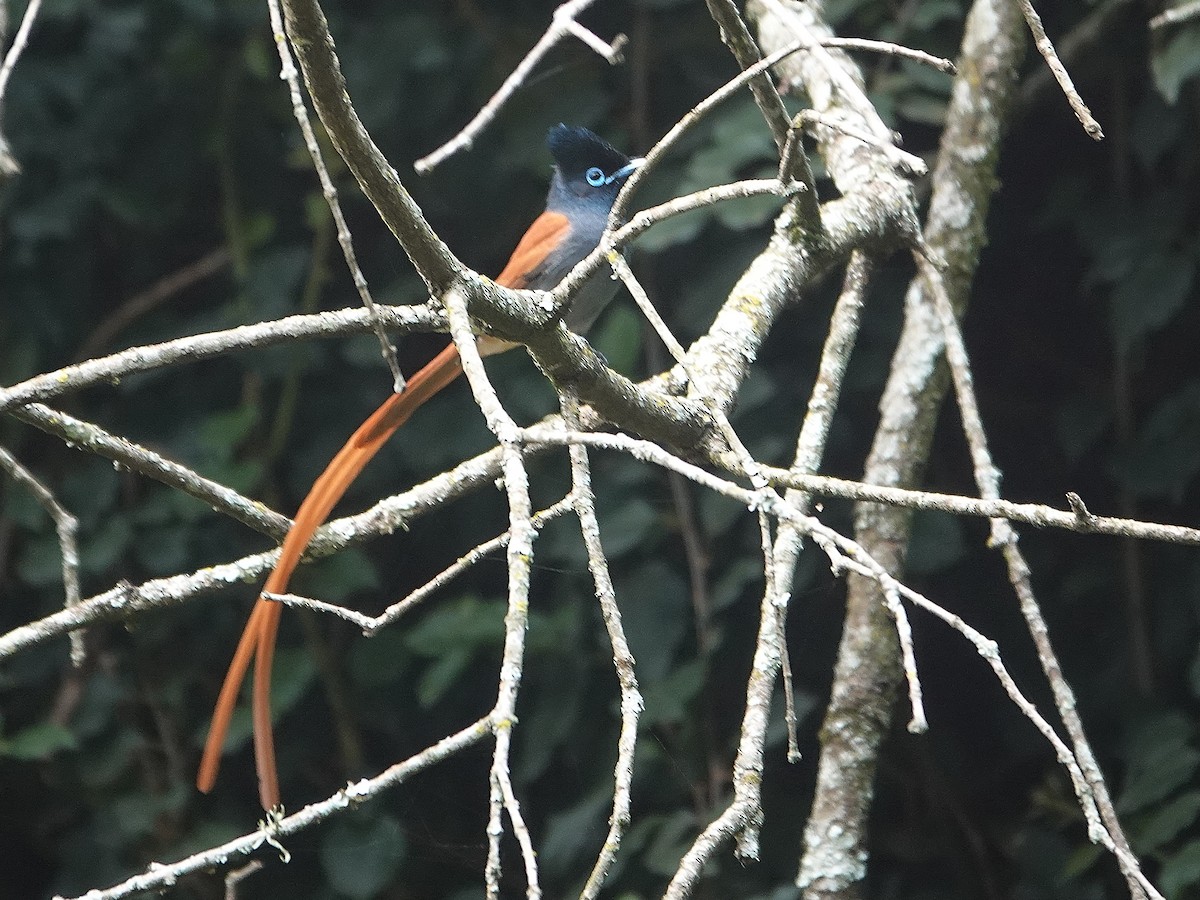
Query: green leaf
{"type": "Point", "coordinates": [163, 549]}
{"type": "Point", "coordinates": [657, 614]}
{"type": "Point", "coordinates": [551, 710]}
{"type": "Point", "coordinates": [669, 843]}
{"type": "Point", "coordinates": [441, 674]}
{"type": "Point", "coordinates": [464, 622]}
{"type": "Point", "coordinates": [626, 525]}
{"type": "Point", "coordinates": [222, 433]}
{"type": "Point", "coordinates": [1162, 462]}
{"type": "Point", "coordinates": [619, 338]}
{"type": "Point", "coordinates": [1081, 423]}
{"type": "Point", "coordinates": [573, 832]}
{"type": "Point", "coordinates": [736, 579]}
{"type": "Point", "coordinates": [38, 741]}
{"type": "Point", "coordinates": [360, 855]}
{"type": "Point", "coordinates": [101, 551]}
{"type": "Point", "coordinates": [1180, 871]}
{"type": "Point", "coordinates": [1176, 61]}
{"type": "Point", "coordinates": [928, 15]}
{"type": "Point", "coordinates": [668, 700]}
{"type": "Point", "coordinates": [1161, 759]}
{"type": "Point", "coordinates": [40, 562]}
{"type": "Point", "coordinates": [1150, 296]}
{"type": "Point", "coordinates": [380, 660]}
{"type": "Point", "coordinates": [1167, 821]}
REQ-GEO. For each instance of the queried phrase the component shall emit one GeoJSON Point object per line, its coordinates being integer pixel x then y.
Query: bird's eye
{"type": "Point", "coordinates": [594, 176]}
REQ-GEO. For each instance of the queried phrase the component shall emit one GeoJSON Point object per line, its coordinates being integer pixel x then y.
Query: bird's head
{"type": "Point", "coordinates": [586, 168]}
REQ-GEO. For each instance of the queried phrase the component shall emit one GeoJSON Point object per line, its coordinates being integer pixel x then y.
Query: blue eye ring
{"type": "Point", "coordinates": [594, 176]}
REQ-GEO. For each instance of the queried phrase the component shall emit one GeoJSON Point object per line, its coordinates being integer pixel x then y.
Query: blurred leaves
{"type": "Point", "coordinates": [360, 855]}
{"type": "Point", "coordinates": [37, 742]}
{"type": "Point", "coordinates": [1176, 60]}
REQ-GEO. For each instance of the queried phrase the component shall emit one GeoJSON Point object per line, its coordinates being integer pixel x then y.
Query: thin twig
{"type": "Point", "coordinates": [112, 368]}
{"type": "Point", "coordinates": [1035, 514]}
{"type": "Point", "coordinates": [1046, 48]}
{"type": "Point", "coordinates": [748, 836]}
{"type": "Point", "coordinates": [92, 438]}
{"type": "Point", "coordinates": [516, 619]}
{"type": "Point", "coordinates": [158, 877]}
{"type": "Point", "coordinates": [67, 527]}
{"type": "Point", "coordinates": [371, 624]}
{"type": "Point", "coordinates": [8, 163]}
{"type": "Point", "coordinates": [736, 36]}
{"type": "Point", "coordinates": [840, 339]}
{"type": "Point", "coordinates": [631, 698]}
{"type": "Point", "coordinates": [20, 40]}
{"type": "Point", "coordinates": [909, 163]}
{"type": "Point", "coordinates": [1176, 14]}
{"type": "Point", "coordinates": [238, 875]}
{"type": "Point", "coordinates": [562, 25]}
{"type": "Point", "coordinates": [842, 77]}
{"type": "Point", "coordinates": [694, 116]}
{"type": "Point", "coordinates": [126, 600]}
{"type": "Point", "coordinates": [287, 71]}
{"type": "Point", "coordinates": [918, 723]}
{"type": "Point", "coordinates": [890, 49]}
{"type": "Point", "coordinates": [848, 555]}
{"type": "Point", "coordinates": [987, 477]}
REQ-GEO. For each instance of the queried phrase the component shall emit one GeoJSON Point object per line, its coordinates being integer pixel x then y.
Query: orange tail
{"type": "Point", "coordinates": [258, 639]}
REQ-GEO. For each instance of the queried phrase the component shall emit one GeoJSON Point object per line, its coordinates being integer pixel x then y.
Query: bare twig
{"type": "Point", "coordinates": [690, 119]}
{"type": "Point", "coordinates": [201, 346]}
{"type": "Point", "coordinates": [744, 813]}
{"type": "Point", "coordinates": [741, 44]}
{"type": "Point", "coordinates": [814, 434]}
{"type": "Point", "coordinates": [67, 527]}
{"type": "Point", "coordinates": [841, 77]}
{"type": "Point", "coordinates": [308, 32]}
{"type": "Point", "coordinates": [516, 620]}
{"type": "Point", "coordinates": [287, 71]}
{"type": "Point", "coordinates": [159, 877]}
{"type": "Point", "coordinates": [909, 163]}
{"type": "Point", "coordinates": [846, 554]}
{"type": "Point", "coordinates": [918, 723]}
{"type": "Point", "coordinates": [371, 624]}
{"type": "Point", "coordinates": [236, 876]}
{"type": "Point", "coordinates": [1046, 48]}
{"type": "Point", "coordinates": [987, 478]}
{"type": "Point", "coordinates": [1176, 14]}
{"type": "Point", "coordinates": [563, 24]}
{"type": "Point", "coordinates": [890, 49]}
{"type": "Point", "coordinates": [8, 164]}
{"type": "Point", "coordinates": [136, 458]}
{"type": "Point", "coordinates": [126, 600]}
{"type": "Point", "coordinates": [1030, 513]}
{"type": "Point", "coordinates": [631, 698]}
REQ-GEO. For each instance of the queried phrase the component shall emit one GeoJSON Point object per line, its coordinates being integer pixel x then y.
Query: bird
{"type": "Point", "coordinates": [587, 175]}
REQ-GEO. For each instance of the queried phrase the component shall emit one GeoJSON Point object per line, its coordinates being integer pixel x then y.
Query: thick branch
{"type": "Point", "coordinates": [868, 667]}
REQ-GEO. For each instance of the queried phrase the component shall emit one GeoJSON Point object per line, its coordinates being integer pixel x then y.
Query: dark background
{"type": "Point", "coordinates": [154, 134]}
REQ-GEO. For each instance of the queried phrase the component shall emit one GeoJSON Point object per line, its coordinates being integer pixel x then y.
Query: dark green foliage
{"type": "Point", "coordinates": [153, 133]}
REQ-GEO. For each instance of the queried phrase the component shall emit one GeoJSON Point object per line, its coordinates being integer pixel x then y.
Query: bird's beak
{"type": "Point", "coordinates": [626, 170]}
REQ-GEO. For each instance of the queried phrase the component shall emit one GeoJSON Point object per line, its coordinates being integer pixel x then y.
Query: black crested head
{"type": "Point", "coordinates": [575, 149]}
